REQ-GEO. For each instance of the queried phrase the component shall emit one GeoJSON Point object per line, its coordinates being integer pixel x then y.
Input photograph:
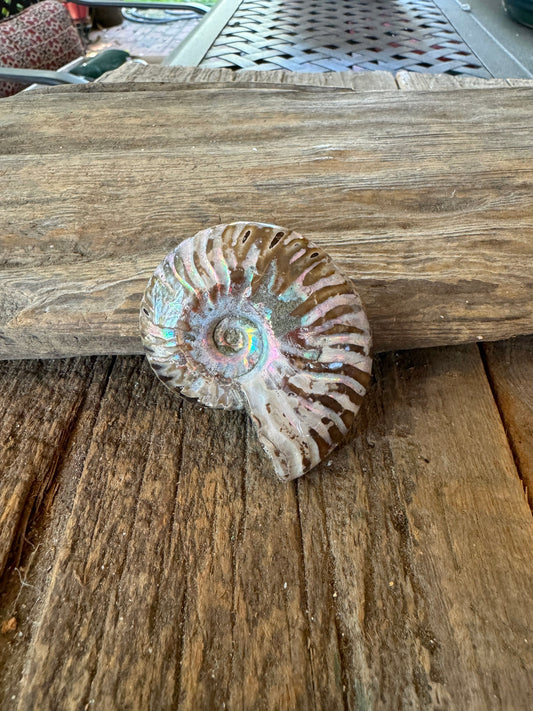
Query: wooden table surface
{"type": "Point", "coordinates": [150, 558]}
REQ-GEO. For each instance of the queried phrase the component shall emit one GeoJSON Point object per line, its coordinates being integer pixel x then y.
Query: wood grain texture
{"type": "Point", "coordinates": [49, 410]}
{"type": "Point", "coordinates": [185, 576]}
{"type": "Point", "coordinates": [40, 404]}
{"type": "Point", "coordinates": [416, 81]}
{"type": "Point", "coordinates": [510, 368]}
{"type": "Point", "coordinates": [422, 583]}
{"type": "Point", "coordinates": [424, 198]}
{"type": "Point", "coordinates": [358, 81]}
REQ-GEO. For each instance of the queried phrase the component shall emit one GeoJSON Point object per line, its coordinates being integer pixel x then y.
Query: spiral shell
{"type": "Point", "coordinates": [255, 317]}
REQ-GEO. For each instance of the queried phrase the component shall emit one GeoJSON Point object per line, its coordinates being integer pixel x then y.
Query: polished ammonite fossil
{"type": "Point", "coordinates": [254, 316]}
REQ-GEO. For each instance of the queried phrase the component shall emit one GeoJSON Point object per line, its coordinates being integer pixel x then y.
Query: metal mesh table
{"type": "Point", "coordinates": [337, 35]}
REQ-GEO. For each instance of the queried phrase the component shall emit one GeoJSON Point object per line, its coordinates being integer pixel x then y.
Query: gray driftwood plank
{"type": "Point", "coordinates": [424, 198]}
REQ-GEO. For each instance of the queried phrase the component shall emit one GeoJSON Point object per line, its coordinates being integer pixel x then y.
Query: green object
{"type": "Point", "coordinates": [520, 11]}
{"type": "Point", "coordinates": [104, 62]}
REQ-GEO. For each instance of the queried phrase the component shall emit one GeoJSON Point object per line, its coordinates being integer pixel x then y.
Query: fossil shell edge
{"type": "Point", "coordinates": [254, 316]}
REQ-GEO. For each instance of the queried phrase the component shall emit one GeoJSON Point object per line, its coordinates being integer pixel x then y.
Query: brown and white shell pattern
{"type": "Point", "coordinates": [253, 316]}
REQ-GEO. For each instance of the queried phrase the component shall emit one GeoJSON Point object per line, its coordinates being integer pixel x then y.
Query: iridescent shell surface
{"type": "Point", "coordinates": [255, 317]}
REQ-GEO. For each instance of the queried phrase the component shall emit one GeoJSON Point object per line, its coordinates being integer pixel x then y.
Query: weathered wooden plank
{"type": "Point", "coordinates": [111, 501]}
{"type": "Point", "coordinates": [426, 529]}
{"type": "Point", "coordinates": [510, 369]}
{"type": "Point", "coordinates": [40, 404]}
{"type": "Point", "coordinates": [358, 81]}
{"type": "Point", "coordinates": [519, 82]}
{"type": "Point", "coordinates": [416, 81]}
{"type": "Point", "coordinates": [54, 412]}
{"type": "Point", "coordinates": [392, 576]}
{"type": "Point", "coordinates": [128, 86]}
{"type": "Point", "coordinates": [169, 555]}
{"type": "Point", "coordinates": [423, 198]}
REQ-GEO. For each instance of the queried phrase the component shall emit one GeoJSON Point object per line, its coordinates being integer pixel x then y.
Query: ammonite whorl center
{"type": "Point", "coordinates": [229, 337]}
{"type": "Point", "coordinates": [239, 342]}
{"type": "Point", "coordinates": [254, 316]}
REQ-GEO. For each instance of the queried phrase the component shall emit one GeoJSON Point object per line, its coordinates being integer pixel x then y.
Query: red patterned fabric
{"type": "Point", "coordinates": [40, 37]}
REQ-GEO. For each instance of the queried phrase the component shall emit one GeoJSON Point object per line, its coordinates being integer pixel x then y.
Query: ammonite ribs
{"type": "Point", "coordinates": [254, 316]}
